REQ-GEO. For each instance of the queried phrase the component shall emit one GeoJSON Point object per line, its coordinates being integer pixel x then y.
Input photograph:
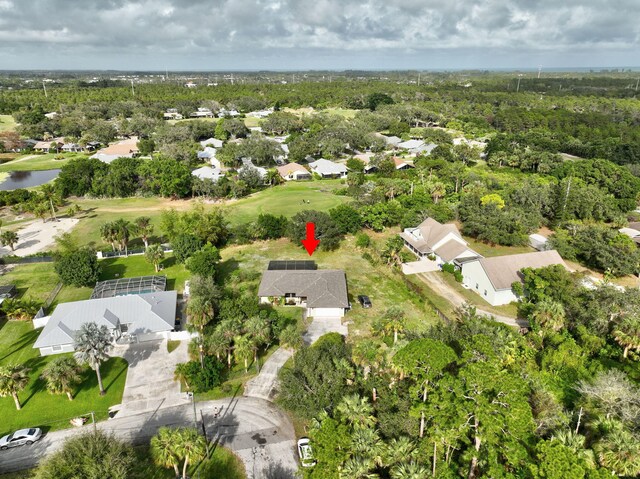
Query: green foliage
{"type": "Point", "coordinates": [199, 379]}
{"type": "Point", "coordinates": [78, 268]}
{"type": "Point", "coordinates": [165, 177]}
{"type": "Point", "coordinates": [91, 454]}
{"type": "Point", "coordinates": [347, 219]}
{"type": "Point", "coordinates": [184, 246]}
{"type": "Point", "coordinates": [374, 100]}
{"type": "Point", "coordinates": [317, 379]}
{"type": "Point", "coordinates": [326, 229]}
{"type": "Point", "coordinates": [363, 240]}
{"type": "Point", "coordinates": [270, 226]}
{"type": "Point", "coordinates": [204, 262]}
{"type": "Point", "coordinates": [556, 461]}
{"type": "Point", "coordinates": [76, 176]}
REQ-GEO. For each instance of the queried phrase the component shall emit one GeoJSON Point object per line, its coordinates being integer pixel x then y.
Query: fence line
{"type": "Point", "coordinates": [26, 260]}
{"type": "Point", "coordinates": [130, 252]}
{"type": "Point", "coordinates": [52, 296]}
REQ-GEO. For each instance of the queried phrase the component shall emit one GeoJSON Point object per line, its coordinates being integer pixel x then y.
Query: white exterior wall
{"type": "Point", "coordinates": [153, 336]}
{"type": "Point", "coordinates": [325, 312]}
{"type": "Point", "coordinates": [474, 276]}
{"type": "Point", "coordinates": [48, 351]}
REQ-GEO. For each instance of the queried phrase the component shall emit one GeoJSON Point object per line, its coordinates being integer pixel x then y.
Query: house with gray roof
{"type": "Point", "coordinates": [322, 292]}
{"type": "Point", "coordinates": [328, 169]}
{"type": "Point", "coordinates": [492, 278]}
{"type": "Point", "coordinates": [208, 173]}
{"type": "Point", "coordinates": [130, 318]}
{"type": "Point", "coordinates": [442, 242]}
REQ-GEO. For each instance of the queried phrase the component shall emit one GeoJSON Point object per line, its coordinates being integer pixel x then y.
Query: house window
{"type": "Point", "coordinates": [476, 285]}
{"type": "Point", "coordinates": [124, 328]}
{"type": "Point", "coordinates": [485, 292]}
{"type": "Point", "coordinates": [56, 347]}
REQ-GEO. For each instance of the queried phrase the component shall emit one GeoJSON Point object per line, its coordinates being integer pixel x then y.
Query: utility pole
{"type": "Point", "coordinates": [418, 78]}
{"type": "Point", "coordinates": [518, 87]}
{"type": "Point", "coordinates": [539, 70]}
{"type": "Point", "coordinates": [133, 93]}
{"type": "Point", "coordinates": [195, 415]}
{"type": "Point", "coordinates": [579, 420]}
{"type": "Point", "coordinates": [46, 96]}
{"type": "Point", "coordinates": [637, 83]}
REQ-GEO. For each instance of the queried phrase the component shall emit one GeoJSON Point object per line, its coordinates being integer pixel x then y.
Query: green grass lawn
{"type": "Point", "coordinates": [475, 299]}
{"type": "Point", "coordinates": [382, 284]}
{"type": "Point", "coordinates": [41, 409]}
{"type": "Point", "coordinates": [285, 200]}
{"type": "Point", "coordinates": [35, 162]}
{"type": "Point", "coordinates": [133, 266]}
{"type": "Point", "coordinates": [7, 123]}
{"type": "Point", "coordinates": [487, 250]}
{"type": "Point", "coordinates": [252, 121]}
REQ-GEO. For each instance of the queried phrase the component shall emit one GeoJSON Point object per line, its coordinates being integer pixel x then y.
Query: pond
{"type": "Point", "coordinates": [26, 179]}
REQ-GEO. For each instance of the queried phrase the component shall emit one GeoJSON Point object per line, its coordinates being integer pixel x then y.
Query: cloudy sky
{"type": "Point", "coordinates": [317, 34]}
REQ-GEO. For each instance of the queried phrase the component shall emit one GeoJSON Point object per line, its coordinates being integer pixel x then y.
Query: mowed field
{"type": "Point", "coordinates": [36, 162]}
{"type": "Point", "coordinates": [284, 200]}
{"type": "Point", "coordinates": [7, 123]}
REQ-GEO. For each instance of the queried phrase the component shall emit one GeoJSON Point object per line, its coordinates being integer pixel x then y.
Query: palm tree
{"type": "Point", "coordinates": [154, 254]}
{"type": "Point", "coordinates": [368, 355]}
{"type": "Point", "coordinates": [163, 449]}
{"type": "Point", "coordinates": [216, 343]}
{"type": "Point", "coordinates": [437, 190]}
{"type": "Point", "coordinates": [619, 451]}
{"type": "Point", "coordinates": [242, 350]}
{"type": "Point", "coordinates": [394, 321]}
{"type": "Point", "coordinates": [40, 210]}
{"type": "Point", "coordinates": [62, 374]}
{"type": "Point", "coordinates": [577, 443]}
{"type": "Point", "coordinates": [190, 447]}
{"type": "Point", "coordinates": [108, 234]}
{"type": "Point", "coordinates": [366, 441]}
{"type": "Point", "coordinates": [143, 227]}
{"type": "Point", "coordinates": [549, 314]}
{"type": "Point", "coordinates": [356, 411]}
{"type": "Point", "coordinates": [13, 379]}
{"type": "Point", "coordinates": [400, 449]}
{"type": "Point", "coordinates": [259, 331]}
{"type": "Point", "coordinates": [122, 231]}
{"type": "Point", "coordinates": [627, 334]}
{"type": "Point", "coordinates": [92, 344]}
{"type": "Point", "coordinates": [229, 329]}
{"type": "Point", "coordinates": [200, 313]}
{"type": "Point", "coordinates": [50, 194]}
{"type": "Point", "coordinates": [409, 470]}
{"type": "Point", "coordinates": [273, 177]}
{"type": "Point", "coordinates": [9, 238]}
{"type": "Point", "coordinates": [357, 467]}
{"type": "Point", "coordinates": [21, 309]}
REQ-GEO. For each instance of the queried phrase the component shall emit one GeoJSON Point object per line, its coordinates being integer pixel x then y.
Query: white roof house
{"type": "Point", "coordinates": [424, 149]}
{"type": "Point", "coordinates": [328, 169]}
{"type": "Point", "coordinates": [410, 144]}
{"type": "Point", "coordinates": [208, 173]}
{"type": "Point", "coordinates": [391, 140]}
{"type": "Point", "coordinates": [492, 278]}
{"type": "Point", "coordinates": [247, 164]}
{"type": "Point", "coordinates": [538, 242]}
{"type": "Point", "coordinates": [140, 317]}
{"type": "Point", "coordinates": [444, 241]}
{"type": "Point", "coordinates": [214, 142]}
{"type": "Point", "coordinates": [207, 153]}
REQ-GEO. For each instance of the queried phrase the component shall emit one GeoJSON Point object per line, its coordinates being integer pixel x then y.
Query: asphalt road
{"type": "Point", "coordinates": [256, 430]}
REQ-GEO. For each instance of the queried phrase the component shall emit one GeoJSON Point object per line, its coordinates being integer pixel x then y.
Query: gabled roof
{"type": "Point", "coordinates": [326, 167]}
{"type": "Point", "coordinates": [426, 236]}
{"type": "Point", "coordinates": [122, 148]}
{"type": "Point", "coordinates": [144, 313]}
{"type": "Point", "coordinates": [391, 140]}
{"type": "Point", "coordinates": [285, 170]}
{"type": "Point", "coordinates": [400, 163]}
{"type": "Point", "coordinates": [503, 271]}
{"type": "Point", "coordinates": [322, 288]}
{"type": "Point", "coordinates": [206, 172]}
{"type": "Point", "coordinates": [212, 142]}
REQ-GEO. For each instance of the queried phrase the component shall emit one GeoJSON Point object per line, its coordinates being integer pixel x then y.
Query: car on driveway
{"type": "Point", "coordinates": [305, 452]}
{"type": "Point", "coordinates": [364, 301]}
{"type": "Point", "coordinates": [20, 438]}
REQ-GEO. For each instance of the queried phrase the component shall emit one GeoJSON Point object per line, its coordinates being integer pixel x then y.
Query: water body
{"type": "Point", "coordinates": [26, 179]}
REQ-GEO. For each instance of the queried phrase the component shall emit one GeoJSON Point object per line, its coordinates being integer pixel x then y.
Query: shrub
{"type": "Point", "coordinates": [78, 268]}
{"type": "Point", "coordinates": [448, 268]}
{"type": "Point", "coordinates": [199, 379]}
{"type": "Point", "coordinates": [363, 240]}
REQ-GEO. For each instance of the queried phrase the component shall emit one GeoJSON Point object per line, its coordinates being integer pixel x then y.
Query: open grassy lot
{"type": "Point", "coordinates": [39, 408]}
{"type": "Point", "coordinates": [35, 162]}
{"type": "Point", "coordinates": [383, 285]}
{"type": "Point", "coordinates": [7, 123]}
{"type": "Point", "coordinates": [487, 250]}
{"type": "Point", "coordinates": [281, 200]}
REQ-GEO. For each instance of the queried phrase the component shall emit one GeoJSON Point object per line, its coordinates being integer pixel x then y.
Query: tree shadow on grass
{"type": "Point", "coordinates": [111, 269]}
{"type": "Point", "coordinates": [225, 269]}
{"type": "Point", "coordinates": [37, 384]}
{"type": "Point", "coordinates": [110, 371]}
{"type": "Point", "coordinates": [25, 340]}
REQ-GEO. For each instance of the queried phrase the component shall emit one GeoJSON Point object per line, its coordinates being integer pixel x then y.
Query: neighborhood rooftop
{"type": "Point", "coordinates": [123, 286]}
{"type": "Point", "coordinates": [322, 288]}
{"type": "Point", "coordinates": [503, 271]}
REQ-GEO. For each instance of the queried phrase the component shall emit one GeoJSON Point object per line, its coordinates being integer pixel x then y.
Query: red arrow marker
{"type": "Point", "coordinates": [311, 243]}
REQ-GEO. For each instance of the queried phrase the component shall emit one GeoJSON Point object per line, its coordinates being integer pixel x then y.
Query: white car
{"type": "Point", "coordinates": [305, 452]}
{"type": "Point", "coordinates": [20, 438]}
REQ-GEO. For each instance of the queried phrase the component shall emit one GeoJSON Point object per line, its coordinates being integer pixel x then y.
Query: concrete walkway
{"type": "Point", "coordinates": [264, 385]}
{"type": "Point", "coordinates": [261, 435]}
{"type": "Point", "coordinates": [150, 380]}
{"type": "Point", "coordinates": [322, 326]}
{"type": "Point", "coordinates": [440, 287]}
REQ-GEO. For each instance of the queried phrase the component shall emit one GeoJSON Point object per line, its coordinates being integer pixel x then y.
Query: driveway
{"type": "Point", "coordinates": [264, 385]}
{"type": "Point", "coordinates": [437, 284]}
{"type": "Point", "coordinates": [150, 384]}
{"type": "Point", "coordinates": [254, 429]}
{"type": "Point", "coordinates": [321, 326]}
{"type": "Point", "coordinates": [422, 266]}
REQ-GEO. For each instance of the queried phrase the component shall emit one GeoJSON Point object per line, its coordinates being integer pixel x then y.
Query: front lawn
{"type": "Point", "coordinates": [7, 123]}
{"type": "Point", "coordinates": [44, 410]}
